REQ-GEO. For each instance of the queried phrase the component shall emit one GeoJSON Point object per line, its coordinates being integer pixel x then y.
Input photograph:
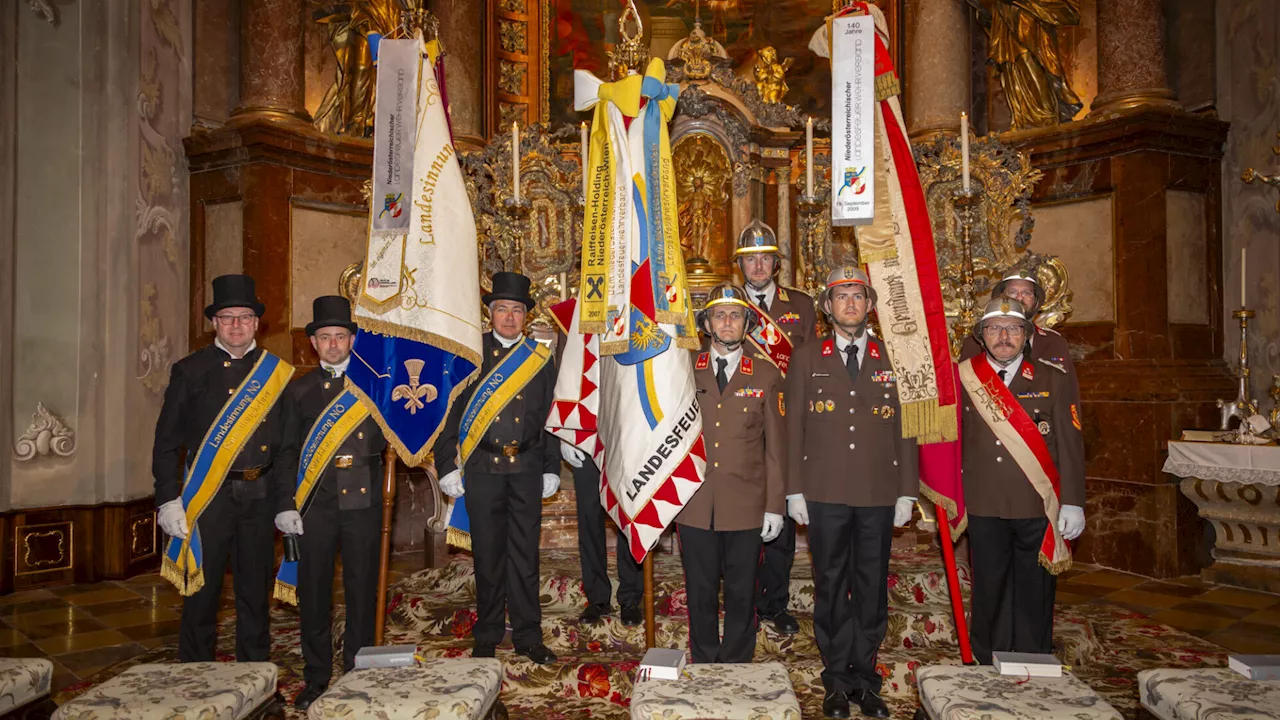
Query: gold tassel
{"type": "Point", "coordinates": [928, 422]}
{"type": "Point", "coordinates": [458, 538]}
{"type": "Point", "coordinates": [1055, 567]}
{"type": "Point", "coordinates": [286, 593]}
{"type": "Point", "coordinates": [187, 585]}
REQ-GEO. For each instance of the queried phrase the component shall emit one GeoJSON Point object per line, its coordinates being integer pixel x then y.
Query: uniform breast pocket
{"type": "Point", "coordinates": [747, 413]}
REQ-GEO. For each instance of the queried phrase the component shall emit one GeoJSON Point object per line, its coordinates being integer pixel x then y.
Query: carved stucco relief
{"type": "Point", "coordinates": [46, 436]}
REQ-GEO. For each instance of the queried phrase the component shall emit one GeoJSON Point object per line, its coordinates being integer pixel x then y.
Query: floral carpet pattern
{"type": "Point", "coordinates": [1106, 645]}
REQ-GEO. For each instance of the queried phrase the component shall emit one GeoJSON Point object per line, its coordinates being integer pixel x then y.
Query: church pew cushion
{"type": "Point", "coordinates": [719, 692]}
{"type": "Point", "coordinates": [1208, 692]}
{"type": "Point", "coordinates": [23, 680]}
{"type": "Point", "coordinates": [206, 690]}
{"type": "Point", "coordinates": [957, 692]}
{"type": "Point", "coordinates": [440, 689]}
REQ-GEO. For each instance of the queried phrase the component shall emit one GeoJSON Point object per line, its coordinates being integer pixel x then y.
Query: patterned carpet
{"type": "Point", "coordinates": [1106, 645]}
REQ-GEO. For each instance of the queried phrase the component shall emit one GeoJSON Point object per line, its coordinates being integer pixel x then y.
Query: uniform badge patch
{"type": "Point", "coordinates": [873, 350]}
{"type": "Point", "coordinates": [887, 412]}
{"type": "Point", "coordinates": [747, 365]}
{"type": "Point", "coordinates": [1043, 427]}
{"type": "Point", "coordinates": [1028, 371]}
{"type": "Point", "coordinates": [828, 348]}
{"type": "Point", "coordinates": [782, 406]}
{"type": "Point", "coordinates": [704, 361]}
{"type": "Point", "coordinates": [1075, 416]}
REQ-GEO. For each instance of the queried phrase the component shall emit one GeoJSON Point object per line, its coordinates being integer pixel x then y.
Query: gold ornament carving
{"type": "Point", "coordinates": [1022, 42]}
{"type": "Point", "coordinates": [703, 174]}
{"type": "Point", "coordinates": [512, 6]}
{"type": "Point", "coordinates": [153, 358]}
{"type": "Point", "coordinates": [698, 55]}
{"type": "Point", "coordinates": [45, 547]}
{"type": "Point", "coordinates": [46, 435]}
{"type": "Point", "coordinates": [511, 36]}
{"type": "Point", "coordinates": [511, 112]}
{"type": "Point", "coordinates": [142, 536]}
{"type": "Point", "coordinates": [1250, 175]}
{"type": "Point", "coordinates": [511, 77]}
{"type": "Point", "coordinates": [771, 75]}
{"type": "Point", "coordinates": [632, 54]}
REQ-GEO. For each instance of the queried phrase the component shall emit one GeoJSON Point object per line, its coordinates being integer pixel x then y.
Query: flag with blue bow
{"type": "Point", "coordinates": [419, 340]}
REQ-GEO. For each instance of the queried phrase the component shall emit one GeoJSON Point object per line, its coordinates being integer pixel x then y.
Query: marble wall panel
{"type": "Point", "coordinates": [1187, 239]}
{"type": "Point", "coordinates": [1081, 234]}
{"type": "Point", "coordinates": [223, 240]}
{"type": "Point", "coordinates": [324, 243]}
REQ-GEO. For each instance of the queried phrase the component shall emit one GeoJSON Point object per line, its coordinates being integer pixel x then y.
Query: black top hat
{"type": "Point", "coordinates": [510, 286]}
{"type": "Point", "coordinates": [234, 291]}
{"type": "Point", "coordinates": [330, 311]}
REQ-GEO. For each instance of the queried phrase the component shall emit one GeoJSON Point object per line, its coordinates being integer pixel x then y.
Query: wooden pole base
{"type": "Point", "coordinates": [650, 623]}
{"type": "Point", "coordinates": [388, 509]}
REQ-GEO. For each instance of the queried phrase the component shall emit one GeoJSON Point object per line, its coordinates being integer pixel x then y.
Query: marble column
{"type": "Point", "coordinates": [783, 229]}
{"type": "Point", "coordinates": [217, 63]}
{"type": "Point", "coordinates": [937, 67]}
{"type": "Point", "coordinates": [272, 76]}
{"type": "Point", "coordinates": [1131, 56]}
{"type": "Point", "coordinates": [462, 32]}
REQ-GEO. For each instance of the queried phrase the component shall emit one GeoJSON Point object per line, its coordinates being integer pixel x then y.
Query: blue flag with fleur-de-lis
{"type": "Point", "coordinates": [419, 339]}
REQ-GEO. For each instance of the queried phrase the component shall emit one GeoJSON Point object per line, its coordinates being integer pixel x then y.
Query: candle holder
{"type": "Point", "coordinates": [966, 204]}
{"type": "Point", "coordinates": [513, 225]}
{"type": "Point", "coordinates": [1242, 407]}
{"type": "Point", "coordinates": [1274, 416]}
{"type": "Point", "coordinates": [809, 223]}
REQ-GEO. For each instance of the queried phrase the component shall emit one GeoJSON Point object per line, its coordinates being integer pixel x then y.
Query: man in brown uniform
{"type": "Point", "coordinates": [851, 478]}
{"type": "Point", "coordinates": [792, 312]}
{"type": "Point", "coordinates": [1015, 554]}
{"type": "Point", "coordinates": [741, 500]}
{"type": "Point", "coordinates": [1023, 287]}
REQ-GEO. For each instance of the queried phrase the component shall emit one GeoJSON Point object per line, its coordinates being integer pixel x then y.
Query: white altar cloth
{"type": "Point", "coordinates": [1225, 462]}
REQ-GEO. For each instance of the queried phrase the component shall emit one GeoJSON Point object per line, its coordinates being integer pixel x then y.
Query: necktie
{"type": "Point", "coordinates": [334, 372]}
{"type": "Point", "coordinates": [721, 379]}
{"type": "Point", "coordinates": [1002, 374]}
{"type": "Point", "coordinates": [763, 304]}
{"type": "Point", "coordinates": [851, 361]}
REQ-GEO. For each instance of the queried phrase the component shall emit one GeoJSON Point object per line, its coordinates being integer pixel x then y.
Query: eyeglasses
{"type": "Point", "coordinates": [995, 331]}
{"type": "Point", "coordinates": [235, 319]}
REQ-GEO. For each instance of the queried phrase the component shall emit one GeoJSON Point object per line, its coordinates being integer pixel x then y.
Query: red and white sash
{"type": "Point", "coordinates": [771, 341]}
{"type": "Point", "coordinates": [1016, 431]}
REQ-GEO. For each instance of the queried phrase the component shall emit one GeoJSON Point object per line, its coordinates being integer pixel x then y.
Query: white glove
{"type": "Point", "coordinates": [550, 484]}
{"type": "Point", "coordinates": [1071, 521]}
{"type": "Point", "coordinates": [173, 519]}
{"type": "Point", "coordinates": [289, 522]}
{"type": "Point", "coordinates": [571, 454]}
{"type": "Point", "coordinates": [902, 511]}
{"type": "Point", "coordinates": [798, 509]}
{"type": "Point", "coordinates": [772, 526]}
{"type": "Point", "coordinates": [451, 484]}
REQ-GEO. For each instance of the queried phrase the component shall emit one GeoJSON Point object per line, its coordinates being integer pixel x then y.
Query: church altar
{"type": "Point", "coordinates": [1237, 489]}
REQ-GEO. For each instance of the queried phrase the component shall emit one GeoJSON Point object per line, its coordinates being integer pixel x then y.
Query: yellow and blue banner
{"type": "Point", "coordinates": [234, 424]}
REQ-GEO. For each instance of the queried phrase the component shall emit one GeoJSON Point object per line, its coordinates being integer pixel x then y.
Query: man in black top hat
{"type": "Point", "coordinates": [515, 464]}
{"type": "Point", "coordinates": [340, 508]}
{"type": "Point", "coordinates": [237, 520]}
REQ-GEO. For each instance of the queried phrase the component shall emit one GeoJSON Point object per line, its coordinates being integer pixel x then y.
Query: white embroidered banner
{"type": "Point", "coordinates": [853, 128]}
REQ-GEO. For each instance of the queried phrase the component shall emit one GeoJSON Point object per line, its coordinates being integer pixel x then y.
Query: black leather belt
{"type": "Point", "coordinates": [249, 474]}
{"type": "Point", "coordinates": [351, 461]}
{"type": "Point", "coordinates": [509, 450]}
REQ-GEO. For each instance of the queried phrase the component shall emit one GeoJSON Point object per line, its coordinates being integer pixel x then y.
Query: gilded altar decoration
{"type": "Point", "coordinates": [511, 36]}
{"type": "Point", "coordinates": [1250, 175]}
{"type": "Point", "coordinates": [631, 54]}
{"type": "Point", "coordinates": [702, 182]}
{"type": "Point", "coordinates": [511, 77]}
{"type": "Point", "coordinates": [696, 55]}
{"type": "Point", "coordinates": [46, 436]}
{"type": "Point", "coordinates": [771, 80]}
{"type": "Point", "coordinates": [1022, 43]}
{"type": "Point", "coordinates": [348, 105]}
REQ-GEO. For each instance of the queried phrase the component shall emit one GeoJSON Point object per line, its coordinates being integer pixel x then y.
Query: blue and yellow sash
{"type": "Point", "coordinates": [326, 436]}
{"type": "Point", "coordinates": [521, 364]}
{"type": "Point", "coordinates": [234, 425]}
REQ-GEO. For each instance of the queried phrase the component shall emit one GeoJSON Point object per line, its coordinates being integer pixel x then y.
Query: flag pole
{"type": "Point", "coordinates": [388, 508]}
{"type": "Point", "coordinates": [953, 584]}
{"type": "Point", "coordinates": [650, 629]}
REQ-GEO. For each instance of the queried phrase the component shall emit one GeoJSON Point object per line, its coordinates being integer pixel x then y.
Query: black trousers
{"type": "Point", "coordinates": [850, 547]}
{"type": "Point", "coordinates": [775, 571]}
{"type": "Point", "coordinates": [506, 524]}
{"type": "Point", "coordinates": [1013, 594]}
{"type": "Point", "coordinates": [710, 556]}
{"type": "Point", "coordinates": [241, 531]}
{"type": "Point", "coordinates": [592, 551]}
{"type": "Point", "coordinates": [326, 528]}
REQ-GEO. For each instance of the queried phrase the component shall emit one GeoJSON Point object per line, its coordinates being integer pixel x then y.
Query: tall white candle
{"type": "Point", "coordinates": [515, 161]}
{"type": "Point", "coordinates": [808, 157]}
{"type": "Point", "coordinates": [586, 149]}
{"type": "Point", "coordinates": [564, 286]}
{"type": "Point", "coordinates": [964, 148]}
{"type": "Point", "coordinates": [1242, 266]}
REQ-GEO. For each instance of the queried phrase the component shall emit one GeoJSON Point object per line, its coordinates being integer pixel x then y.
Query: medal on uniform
{"type": "Point", "coordinates": [1043, 427]}
{"type": "Point", "coordinates": [810, 406]}
{"type": "Point", "coordinates": [887, 412]}
{"type": "Point", "coordinates": [830, 406]}
{"type": "Point", "coordinates": [818, 406]}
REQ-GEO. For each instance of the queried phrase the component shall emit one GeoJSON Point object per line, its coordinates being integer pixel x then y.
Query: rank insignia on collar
{"type": "Point", "coordinates": [782, 406]}
{"type": "Point", "coordinates": [1075, 416]}
{"type": "Point", "coordinates": [747, 366]}
{"type": "Point", "coordinates": [1043, 427]}
{"type": "Point", "coordinates": [1028, 371]}
{"type": "Point", "coordinates": [828, 348]}
{"type": "Point", "coordinates": [873, 350]}
{"type": "Point", "coordinates": [782, 294]}
{"type": "Point", "coordinates": [788, 319]}
{"type": "Point", "coordinates": [748, 393]}
{"type": "Point", "coordinates": [882, 376]}
{"type": "Point", "coordinates": [704, 361]}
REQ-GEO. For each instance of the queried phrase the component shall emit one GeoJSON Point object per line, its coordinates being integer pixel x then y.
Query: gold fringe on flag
{"type": "Point", "coordinates": [949, 505]}
{"type": "Point", "coordinates": [1055, 567]}
{"type": "Point", "coordinates": [186, 585]}
{"type": "Point", "coordinates": [458, 538]}
{"type": "Point", "coordinates": [928, 422]}
{"type": "Point", "coordinates": [286, 593]}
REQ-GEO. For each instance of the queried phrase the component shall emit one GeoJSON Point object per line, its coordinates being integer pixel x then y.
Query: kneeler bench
{"type": "Point", "coordinates": [718, 692]}
{"type": "Point", "coordinates": [438, 688]}
{"type": "Point", "coordinates": [23, 681]}
{"type": "Point", "coordinates": [959, 692]}
{"type": "Point", "coordinates": [1207, 693]}
{"type": "Point", "coordinates": [213, 690]}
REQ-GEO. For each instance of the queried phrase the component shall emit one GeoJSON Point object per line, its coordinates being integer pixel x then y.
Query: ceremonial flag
{"type": "Point", "coordinates": [627, 397]}
{"type": "Point", "coordinates": [419, 341]}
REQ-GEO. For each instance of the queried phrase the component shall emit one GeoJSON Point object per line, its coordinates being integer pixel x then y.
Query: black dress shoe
{"type": "Point", "coordinates": [835, 705]}
{"type": "Point", "coordinates": [484, 650]}
{"type": "Point", "coordinates": [870, 704]}
{"type": "Point", "coordinates": [784, 622]}
{"type": "Point", "coordinates": [308, 696]}
{"type": "Point", "coordinates": [595, 611]}
{"type": "Point", "coordinates": [631, 615]}
{"type": "Point", "coordinates": [539, 653]}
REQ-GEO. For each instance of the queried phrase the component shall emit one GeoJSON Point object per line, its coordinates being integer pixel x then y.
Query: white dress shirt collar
{"type": "Point", "coordinates": [505, 343]}
{"type": "Point", "coordinates": [733, 359]}
{"type": "Point", "coordinates": [1012, 367]}
{"type": "Point", "coordinates": [860, 342]}
{"type": "Point", "coordinates": [339, 369]}
{"type": "Point", "coordinates": [769, 293]}
{"type": "Point", "coordinates": [253, 344]}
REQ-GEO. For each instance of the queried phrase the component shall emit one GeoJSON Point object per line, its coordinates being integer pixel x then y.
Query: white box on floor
{"type": "Point", "coordinates": [1026, 664]}
{"type": "Point", "coordinates": [662, 664]}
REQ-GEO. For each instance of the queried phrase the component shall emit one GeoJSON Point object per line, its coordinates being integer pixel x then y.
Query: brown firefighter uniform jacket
{"type": "Point", "coordinates": [745, 437]}
{"type": "Point", "coordinates": [845, 439]}
{"type": "Point", "coordinates": [994, 485]}
{"type": "Point", "coordinates": [794, 313]}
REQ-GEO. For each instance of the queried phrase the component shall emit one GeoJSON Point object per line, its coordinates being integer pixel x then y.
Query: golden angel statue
{"type": "Point", "coordinates": [771, 75]}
